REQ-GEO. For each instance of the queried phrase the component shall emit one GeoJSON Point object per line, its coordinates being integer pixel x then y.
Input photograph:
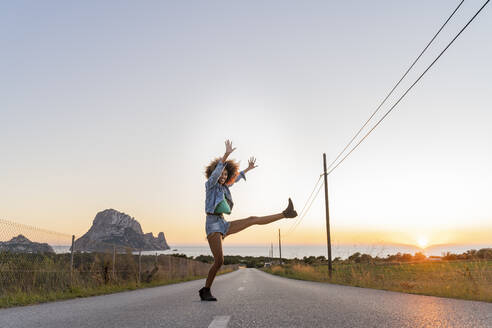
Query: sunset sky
{"type": "Point", "coordinates": [122, 104]}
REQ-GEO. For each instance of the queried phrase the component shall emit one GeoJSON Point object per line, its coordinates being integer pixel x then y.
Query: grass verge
{"type": "Point", "coordinates": [22, 298]}
{"type": "Point", "coordinates": [470, 280]}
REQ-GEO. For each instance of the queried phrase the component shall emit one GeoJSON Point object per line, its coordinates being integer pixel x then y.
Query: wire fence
{"type": "Point", "coordinates": [35, 261]}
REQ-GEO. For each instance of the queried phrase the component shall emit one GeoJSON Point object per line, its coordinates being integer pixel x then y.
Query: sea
{"type": "Point", "coordinates": [300, 251]}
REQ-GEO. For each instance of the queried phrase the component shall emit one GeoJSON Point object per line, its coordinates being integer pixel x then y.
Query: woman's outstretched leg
{"type": "Point", "coordinates": [239, 225]}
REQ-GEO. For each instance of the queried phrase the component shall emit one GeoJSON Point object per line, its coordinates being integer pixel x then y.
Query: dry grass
{"type": "Point", "coordinates": [470, 280]}
{"type": "Point", "coordinates": [32, 278]}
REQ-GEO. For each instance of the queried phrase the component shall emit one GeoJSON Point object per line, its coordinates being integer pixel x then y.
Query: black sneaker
{"type": "Point", "coordinates": [205, 294]}
{"type": "Point", "coordinates": [289, 212]}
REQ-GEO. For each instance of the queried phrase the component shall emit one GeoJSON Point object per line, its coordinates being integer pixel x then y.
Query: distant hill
{"type": "Point", "coordinates": [441, 249]}
{"type": "Point", "coordinates": [111, 227]}
{"type": "Point", "coordinates": [21, 244]}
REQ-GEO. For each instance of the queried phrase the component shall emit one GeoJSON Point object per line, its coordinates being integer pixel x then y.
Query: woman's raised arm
{"type": "Point", "coordinates": [251, 164]}
{"type": "Point", "coordinates": [228, 151]}
{"type": "Point", "coordinates": [214, 177]}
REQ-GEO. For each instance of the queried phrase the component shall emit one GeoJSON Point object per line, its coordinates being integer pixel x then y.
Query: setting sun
{"type": "Point", "coordinates": [422, 242]}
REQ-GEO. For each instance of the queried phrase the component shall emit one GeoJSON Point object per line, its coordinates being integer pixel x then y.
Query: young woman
{"type": "Point", "coordinates": [221, 174]}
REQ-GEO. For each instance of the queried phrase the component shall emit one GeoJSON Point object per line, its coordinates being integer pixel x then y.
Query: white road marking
{"type": "Point", "coordinates": [241, 288]}
{"type": "Point", "coordinates": [220, 321]}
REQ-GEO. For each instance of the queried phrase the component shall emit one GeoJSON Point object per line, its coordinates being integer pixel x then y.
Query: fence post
{"type": "Point", "coordinates": [71, 261]}
{"type": "Point", "coordinates": [279, 248]}
{"type": "Point", "coordinates": [139, 265]}
{"type": "Point", "coordinates": [169, 272]}
{"type": "Point", "coordinates": [114, 261]}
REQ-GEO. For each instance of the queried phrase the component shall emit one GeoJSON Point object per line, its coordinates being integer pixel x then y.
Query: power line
{"type": "Point", "coordinates": [410, 88]}
{"type": "Point", "coordinates": [396, 85]}
{"type": "Point", "coordinates": [305, 204]}
{"type": "Point", "coordinates": [307, 210]}
{"type": "Point", "coordinates": [309, 207]}
{"type": "Point", "coordinates": [312, 192]}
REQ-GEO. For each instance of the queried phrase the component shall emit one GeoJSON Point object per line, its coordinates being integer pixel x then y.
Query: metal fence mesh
{"type": "Point", "coordinates": [32, 259]}
{"type": "Point", "coordinates": [35, 261]}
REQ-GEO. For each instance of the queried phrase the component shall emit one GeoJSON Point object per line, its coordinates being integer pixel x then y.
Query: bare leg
{"type": "Point", "coordinates": [238, 225]}
{"type": "Point", "coordinates": [215, 243]}
{"type": "Point", "coordinates": [215, 240]}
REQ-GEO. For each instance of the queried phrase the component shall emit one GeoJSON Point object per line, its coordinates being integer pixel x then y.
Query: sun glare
{"type": "Point", "coordinates": [422, 242]}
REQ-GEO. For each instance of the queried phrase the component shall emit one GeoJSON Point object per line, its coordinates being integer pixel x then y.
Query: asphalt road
{"type": "Point", "coordinates": [251, 298]}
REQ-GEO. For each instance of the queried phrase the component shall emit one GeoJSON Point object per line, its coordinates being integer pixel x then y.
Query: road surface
{"type": "Point", "coordinates": [251, 298]}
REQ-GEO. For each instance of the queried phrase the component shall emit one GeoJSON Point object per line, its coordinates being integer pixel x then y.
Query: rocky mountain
{"type": "Point", "coordinates": [111, 227]}
{"type": "Point", "coordinates": [21, 244]}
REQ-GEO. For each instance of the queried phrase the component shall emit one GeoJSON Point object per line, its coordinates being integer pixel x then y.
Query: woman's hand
{"type": "Point", "coordinates": [251, 164]}
{"type": "Point", "coordinates": [229, 148]}
{"type": "Point", "coordinates": [228, 151]}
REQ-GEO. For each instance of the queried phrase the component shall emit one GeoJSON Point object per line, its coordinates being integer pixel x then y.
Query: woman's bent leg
{"type": "Point", "coordinates": [238, 225]}
{"type": "Point", "coordinates": [215, 242]}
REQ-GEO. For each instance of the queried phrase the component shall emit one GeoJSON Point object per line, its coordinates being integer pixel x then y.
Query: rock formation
{"type": "Point", "coordinates": [21, 244]}
{"type": "Point", "coordinates": [111, 227]}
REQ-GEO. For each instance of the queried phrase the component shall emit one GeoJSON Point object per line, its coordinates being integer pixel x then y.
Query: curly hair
{"type": "Point", "coordinates": [230, 165]}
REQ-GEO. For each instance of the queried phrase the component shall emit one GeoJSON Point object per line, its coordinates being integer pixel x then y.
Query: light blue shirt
{"type": "Point", "coordinates": [215, 192]}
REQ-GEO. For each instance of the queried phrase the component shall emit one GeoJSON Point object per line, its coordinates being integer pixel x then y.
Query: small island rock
{"type": "Point", "coordinates": [111, 227]}
{"type": "Point", "coordinates": [21, 244]}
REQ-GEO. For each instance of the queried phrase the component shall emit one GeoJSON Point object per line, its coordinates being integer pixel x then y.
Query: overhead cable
{"type": "Point", "coordinates": [396, 85]}
{"type": "Point", "coordinates": [410, 88]}
{"type": "Point", "coordinates": [305, 204]}
{"type": "Point", "coordinates": [296, 224]}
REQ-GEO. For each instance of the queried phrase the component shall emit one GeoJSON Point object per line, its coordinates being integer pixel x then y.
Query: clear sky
{"type": "Point", "coordinates": [121, 104]}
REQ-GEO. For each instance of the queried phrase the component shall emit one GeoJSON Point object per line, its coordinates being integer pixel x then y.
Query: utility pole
{"type": "Point", "coordinates": [279, 247]}
{"type": "Point", "coordinates": [139, 265]}
{"type": "Point", "coordinates": [114, 261]}
{"type": "Point", "coordinates": [71, 260]}
{"type": "Point", "coordinates": [330, 269]}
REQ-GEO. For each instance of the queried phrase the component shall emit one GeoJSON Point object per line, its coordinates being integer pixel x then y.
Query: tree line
{"type": "Point", "coordinates": [257, 262]}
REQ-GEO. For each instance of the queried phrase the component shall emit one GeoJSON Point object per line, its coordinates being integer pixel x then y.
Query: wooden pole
{"type": "Point", "coordinates": [71, 260]}
{"type": "Point", "coordinates": [114, 261]}
{"type": "Point", "coordinates": [328, 238]}
{"type": "Point", "coordinates": [279, 247]}
{"type": "Point", "coordinates": [139, 265]}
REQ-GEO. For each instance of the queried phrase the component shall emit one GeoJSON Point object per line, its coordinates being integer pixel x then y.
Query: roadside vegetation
{"type": "Point", "coordinates": [464, 276]}
{"type": "Point", "coordinates": [35, 278]}
{"type": "Point", "coordinates": [246, 261]}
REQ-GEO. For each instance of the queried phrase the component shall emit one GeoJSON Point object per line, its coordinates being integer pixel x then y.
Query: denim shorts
{"type": "Point", "coordinates": [216, 223]}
